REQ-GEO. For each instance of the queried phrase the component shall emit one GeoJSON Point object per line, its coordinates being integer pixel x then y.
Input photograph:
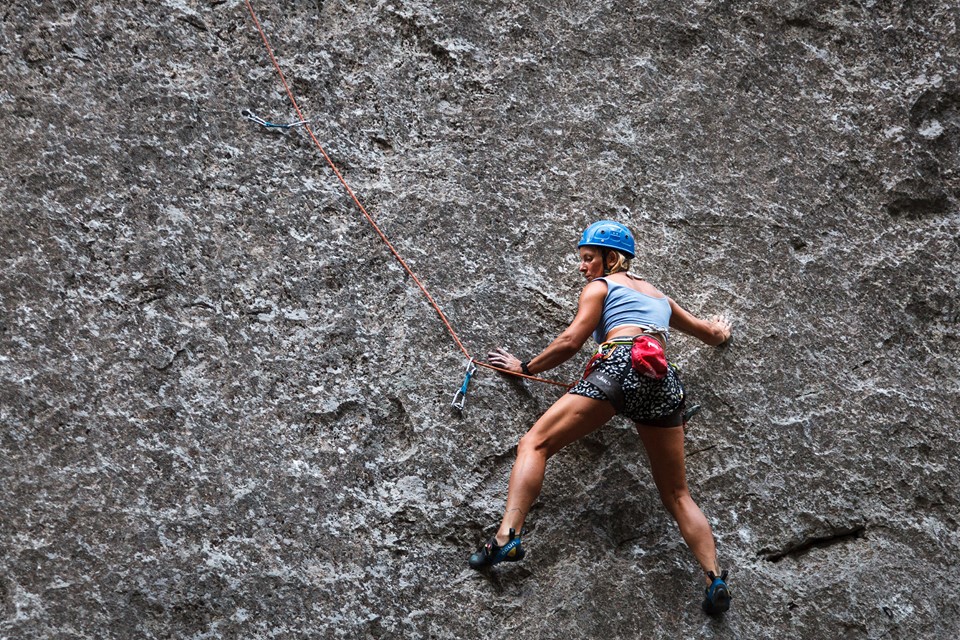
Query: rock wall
{"type": "Point", "coordinates": [224, 407]}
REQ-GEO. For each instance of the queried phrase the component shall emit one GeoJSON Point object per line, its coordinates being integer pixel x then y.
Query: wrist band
{"type": "Point", "coordinates": [524, 369]}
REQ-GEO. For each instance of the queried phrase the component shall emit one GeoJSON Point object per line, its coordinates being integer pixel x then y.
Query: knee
{"type": "Point", "coordinates": [674, 497]}
{"type": "Point", "coordinates": [533, 442]}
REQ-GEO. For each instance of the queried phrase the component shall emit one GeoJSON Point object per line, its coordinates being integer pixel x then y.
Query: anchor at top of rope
{"type": "Point", "coordinates": [250, 115]}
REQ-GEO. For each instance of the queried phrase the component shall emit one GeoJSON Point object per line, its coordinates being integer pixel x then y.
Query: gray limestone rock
{"type": "Point", "coordinates": [224, 406]}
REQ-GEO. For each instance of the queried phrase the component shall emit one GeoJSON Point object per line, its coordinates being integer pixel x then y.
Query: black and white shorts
{"type": "Point", "coordinates": [657, 403]}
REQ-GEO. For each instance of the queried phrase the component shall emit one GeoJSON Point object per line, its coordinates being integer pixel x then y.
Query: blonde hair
{"type": "Point", "coordinates": [622, 263]}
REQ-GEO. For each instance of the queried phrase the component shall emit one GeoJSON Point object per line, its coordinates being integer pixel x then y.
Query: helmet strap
{"type": "Point", "coordinates": [605, 253]}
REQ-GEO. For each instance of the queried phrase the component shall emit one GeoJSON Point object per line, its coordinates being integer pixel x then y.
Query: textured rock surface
{"type": "Point", "coordinates": [224, 408]}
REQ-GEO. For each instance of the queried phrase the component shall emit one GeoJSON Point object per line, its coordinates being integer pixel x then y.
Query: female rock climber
{"type": "Point", "coordinates": [624, 313]}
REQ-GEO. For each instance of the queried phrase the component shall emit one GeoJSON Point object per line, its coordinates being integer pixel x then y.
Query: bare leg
{"type": "Point", "coordinates": [665, 452]}
{"type": "Point", "coordinates": [569, 419]}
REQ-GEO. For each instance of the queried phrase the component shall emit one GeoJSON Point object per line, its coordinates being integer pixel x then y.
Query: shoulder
{"type": "Point", "coordinates": [598, 284]}
{"type": "Point", "coordinates": [646, 288]}
{"type": "Point", "coordinates": [595, 290]}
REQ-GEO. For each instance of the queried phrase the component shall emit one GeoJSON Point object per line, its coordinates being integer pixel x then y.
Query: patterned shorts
{"type": "Point", "coordinates": [651, 402]}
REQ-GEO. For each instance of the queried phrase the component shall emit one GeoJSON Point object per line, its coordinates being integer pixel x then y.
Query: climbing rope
{"type": "Point", "coordinates": [396, 254]}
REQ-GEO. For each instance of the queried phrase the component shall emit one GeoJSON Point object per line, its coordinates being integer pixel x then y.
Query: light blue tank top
{"type": "Point", "coordinates": [624, 305]}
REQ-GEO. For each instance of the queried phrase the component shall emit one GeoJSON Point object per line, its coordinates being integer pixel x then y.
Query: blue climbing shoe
{"type": "Point", "coordinates": [491, 553]}
{"type": "Point", "coordinates": [717, 598]}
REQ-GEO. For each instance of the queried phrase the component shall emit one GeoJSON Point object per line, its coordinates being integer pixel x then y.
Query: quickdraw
{"type": "Point", "coordinates": [250, 115]}
{"type": "Point", "coordinates": [460, 397]}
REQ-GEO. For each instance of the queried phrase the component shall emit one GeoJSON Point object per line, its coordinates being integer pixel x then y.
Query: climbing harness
{"type": "Point", "coordinates": [250, 115]}
{"type": "Point", "coordinates": [647, 358]}
{"type": "Point", "coordinates": [396, 254]}
{"type": "Point", "coordinates": [460, 397]}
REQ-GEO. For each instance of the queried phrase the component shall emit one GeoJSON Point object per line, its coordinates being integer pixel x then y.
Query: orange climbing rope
{"type": "Point", "coordinates": [363, 210]}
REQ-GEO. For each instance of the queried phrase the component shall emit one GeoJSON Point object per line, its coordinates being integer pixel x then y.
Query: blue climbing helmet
{"type": "Point", "coordinates": [610, 235]}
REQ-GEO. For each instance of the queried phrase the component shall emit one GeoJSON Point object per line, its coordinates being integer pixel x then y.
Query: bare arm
{"type": "Point", "coordinates": [714, 331]}
{"type": "Point", "coordinates": [568, 343]}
